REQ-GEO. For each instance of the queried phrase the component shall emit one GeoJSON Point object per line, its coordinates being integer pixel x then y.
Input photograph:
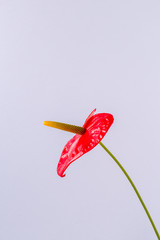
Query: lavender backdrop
{"type": "Point", "coordinates": [58, 61]}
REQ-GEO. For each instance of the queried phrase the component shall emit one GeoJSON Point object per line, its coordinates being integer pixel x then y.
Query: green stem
{"type": "Point", "coordinates": [134, 187]}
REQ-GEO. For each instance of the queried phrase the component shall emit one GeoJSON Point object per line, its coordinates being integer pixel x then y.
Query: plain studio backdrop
{"type": "Point", "coordinates": [58, 61]}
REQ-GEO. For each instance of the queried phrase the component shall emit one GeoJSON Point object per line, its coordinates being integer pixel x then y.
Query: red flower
{"type": "Point", "coordinates": [96, 126]}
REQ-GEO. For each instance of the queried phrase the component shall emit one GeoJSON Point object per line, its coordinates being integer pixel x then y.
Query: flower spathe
{"type": "Point", "coordinates": [96, 127]}
{"type": "Point", "coordinates": [86, 138]}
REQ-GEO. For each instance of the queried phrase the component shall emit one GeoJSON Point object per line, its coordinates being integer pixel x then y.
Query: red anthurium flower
{"type": "Point", "coordinates": [94, 129]}
{"type": "Point", "coordinates": [86, 138]}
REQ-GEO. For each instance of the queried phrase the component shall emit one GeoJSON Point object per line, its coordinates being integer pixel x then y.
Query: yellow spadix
{"type": "Point", "coordinates": [65, 127]}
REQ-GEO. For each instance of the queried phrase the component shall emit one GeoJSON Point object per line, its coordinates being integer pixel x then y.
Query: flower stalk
{"type": "Point", "coordinates": [134, 187]}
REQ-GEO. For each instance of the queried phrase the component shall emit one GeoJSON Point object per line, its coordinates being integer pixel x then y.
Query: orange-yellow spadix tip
{"type": "Point", "coordinates": [45, 123]}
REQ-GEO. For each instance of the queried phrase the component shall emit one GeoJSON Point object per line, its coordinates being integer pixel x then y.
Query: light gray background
{"type": "Point", "coordinates": [58, 61]}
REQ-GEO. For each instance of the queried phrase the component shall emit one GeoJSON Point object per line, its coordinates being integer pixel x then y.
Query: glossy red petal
{"type": "Point", "coordinates": [96, 127]}
{"type": "Point", "coordinates": [89, 117]}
